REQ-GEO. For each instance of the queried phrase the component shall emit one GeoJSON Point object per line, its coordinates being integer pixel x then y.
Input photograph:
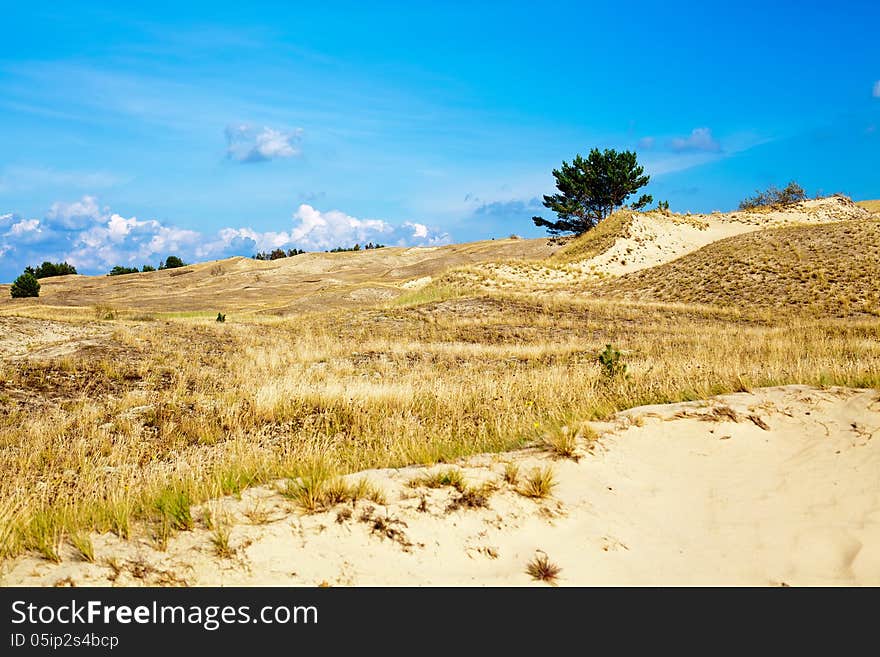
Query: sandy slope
{"type": "Point", "coordinates": [774, 487]}
{"type": "Point", "coordinates": [654, 239]}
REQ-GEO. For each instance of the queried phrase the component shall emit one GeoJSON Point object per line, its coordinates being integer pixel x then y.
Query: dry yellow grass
{"type": "Point", "coordinates": [830, 269]}
{"type": "Point", "coordinates": [870, 206]}
{"type": "Point", "coordinates": [122, 435]}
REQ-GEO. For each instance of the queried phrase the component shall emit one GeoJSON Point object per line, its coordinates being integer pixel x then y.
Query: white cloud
{"type": "Point", "coordinates": [24, 227]}
{"type": "Point", "coordinates": [245, 143]}
{"type": "Point", "coordinates": [419, 230]}
{"type": "Point", "coordinates": [95, 239]}
{"type": "Point", "coordinates": [647, 143]}
{"type": "Point", "coordinates": [876, 92]}
{"type": "Point", "coordinates": [700, 139]}
{"type": "Point", "coordinates": [75, 215]}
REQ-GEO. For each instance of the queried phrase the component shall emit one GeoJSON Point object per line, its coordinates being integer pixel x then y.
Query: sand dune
{"type": "Point", "coordinates": [772, 487]}
{"type": "Point", "coordinates": [650, 240]}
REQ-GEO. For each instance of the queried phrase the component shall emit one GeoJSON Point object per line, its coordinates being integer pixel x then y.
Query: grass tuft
{"type": "Point", "coordinates": [539, 483]}
{"type": "Point", "coordinates": [542, 569]}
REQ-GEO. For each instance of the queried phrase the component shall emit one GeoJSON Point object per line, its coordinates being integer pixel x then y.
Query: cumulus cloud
{"type": "Point", "coordinates": [246, 144]}
{"type": "Point", "coordinates": [94, 239]}
{"type": "Point", "coordinates": [700, 139]}
{"type": "Point", "coordinates": [876, 91]}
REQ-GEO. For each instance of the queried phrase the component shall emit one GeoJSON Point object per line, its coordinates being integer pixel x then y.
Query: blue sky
{"type": "Point", "coordinates": [212, 129]}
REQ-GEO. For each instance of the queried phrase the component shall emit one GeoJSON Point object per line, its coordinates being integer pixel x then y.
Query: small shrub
{"type": "Point", "coordinates": [542, 569]}
{"type": "Point", "coordinates": [773, 197]}
{"type": "Point", "coordinates": [25, 285]}
{"type": "Point", "coordinates": [612, 363]}
{"type": "Point", "coordinates": [221, 317]}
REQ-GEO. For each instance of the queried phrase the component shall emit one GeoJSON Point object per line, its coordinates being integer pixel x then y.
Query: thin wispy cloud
{"type": "Point", "coordinates": [876, 92]}
{"type": "Point", "coordinates": [700, 139]}
{"type": "Point", "coordinates": [247, 144]}
{"type": "Point", "coordinates": [95, 238]}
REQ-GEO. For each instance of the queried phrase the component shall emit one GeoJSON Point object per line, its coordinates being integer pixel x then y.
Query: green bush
{"type": "Point", "coordinates": [612, 363]}
{"type": "Point", "coordinates": [25, 285]}
{"type": "Point", "coordinates": [773, 197]}
{"type": "Point", "coordinates": [172, 262]}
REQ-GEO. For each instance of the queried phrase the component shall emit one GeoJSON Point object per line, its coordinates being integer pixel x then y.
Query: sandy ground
{"type": "Point", "coordinates": [769, 488]}
{"type": "Point", "coordinates": [22, 336]}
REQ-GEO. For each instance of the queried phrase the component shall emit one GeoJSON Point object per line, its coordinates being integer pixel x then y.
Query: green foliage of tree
{"type": "Point", "coordinates": [49, 269]}
{"type": "Point", "coordinates": [591, 189]}
{"type": "Point", "coordinates": [148, 268]}
{"type": "Point", "coordinates": [119, 270]}
{"type": "Point", "coordinates": [772, 197]}
{"type": "Point", "coordinates": [172, 262]}
{"type": "Point", "coordinates": [25, 285]}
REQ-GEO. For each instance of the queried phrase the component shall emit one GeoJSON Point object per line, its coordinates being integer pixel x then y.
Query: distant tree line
{"type": "Point", "coordinates": [171, 262]}
{"type": "Point", "coordinates": [356, 247]}
{"type": "Point", "coordinates": [281, 253]}
{"type": "Point", "coordinates": [277, 254]}
{"type": "Point", "coordinates": [48, 269]}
